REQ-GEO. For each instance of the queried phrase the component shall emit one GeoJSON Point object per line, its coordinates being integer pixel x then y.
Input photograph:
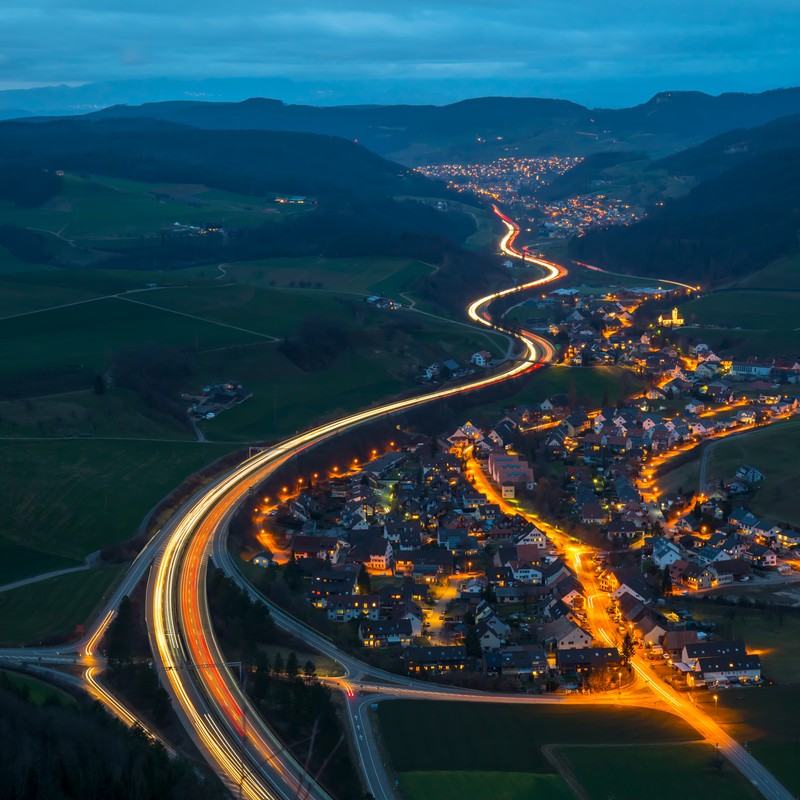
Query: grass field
{"type": "Point", "coordinates": [39, 691]}
{"type": "Point", "coordinates": [753, 322]}
{"type": "Point", "coordinates": [106, 208]}
{"type": "Point", "coordinates": [386, 276]}
{"type": "Point", "coordinates": [117, 413]}
{"type": "Point", "coordinates": [683, 478]}
{"type": "Point", "coordinates": [473, 750]}
{"type": "Point", "coordinates": [89, 334]}
{"type": "Point", "coordinates": [22, 292]}
{"type": "Point", "coordinates": [286, 399]}
{"type": "Point", "coordinates": [782, 275]}
{"type": "Point", "coordinates": [272, 312]}
{"type": "Point", "coordinates": [480, 785]}
{"type": "Point", "coordinates": [33, 613]}
{"type": "Point", "coordinates": [69, 498]}
{"type": "Point", "coordinates": [500, 738]}
{"type": "Point", "coordinates": [631, 773]}
{"type": "Point", "coordinates": [211, 323]}
{"type": "Point", "coordinates": [775, 451]}
{"type": "Point", "coordinates": [18, 561]}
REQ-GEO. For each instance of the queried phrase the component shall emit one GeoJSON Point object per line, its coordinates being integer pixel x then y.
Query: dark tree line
{"type": "Point", "coordinates": [27, 187]}
{"type": "Point", "coordinates": [55, 752]}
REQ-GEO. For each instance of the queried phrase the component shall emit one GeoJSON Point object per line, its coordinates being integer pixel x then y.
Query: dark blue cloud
{"type": "Point", "coordinates": [610, 52]}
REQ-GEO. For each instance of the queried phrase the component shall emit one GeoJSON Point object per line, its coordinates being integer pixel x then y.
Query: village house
{"type": "Point", "coordinates": [723, 670]}
{"type": "Point", "coordinates": [760, 555]}
{"type": "Point", "coordinates": [385, 633]}
{"type": "Point", "coordinates": [563, 634]}
{"type": "Point", "coordinates": [344, 608]}
{"type": "Point", "coordinates": [483, 358]}
{"type": "Point", "coordinates": [521, 661]}
{"type": "Point", "coordinates": [435, 660]}
{"type": "Point", "coordinates": [584, 660]}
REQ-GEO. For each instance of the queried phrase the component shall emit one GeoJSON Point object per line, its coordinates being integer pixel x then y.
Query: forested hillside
{"type": "Point", "coordinates": [743, 214]}
{"type": "Point", "coordinates": [249, 162]}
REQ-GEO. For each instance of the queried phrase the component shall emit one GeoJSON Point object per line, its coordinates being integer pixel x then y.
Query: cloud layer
{"type": "Point", "coordinates": [551, 46]}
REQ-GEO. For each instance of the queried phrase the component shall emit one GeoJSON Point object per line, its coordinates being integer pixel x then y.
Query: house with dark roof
{"type": "Point", "coordinates": [760, 555]}
{"type": "Point", "coordinates": [343, 608]}
{"type": "Point", "coordinates": [435, 660]}
{"type": "Point", "coordinates": [385, 633]}
{"type": "Point", "coordinates": [696, 650]}
{"type": "Point", "coordinates": [723, 670]}
{"type": "Point", "coordinates": [520, 661]}
{"type": "Point", "coordinates": [585, 659]}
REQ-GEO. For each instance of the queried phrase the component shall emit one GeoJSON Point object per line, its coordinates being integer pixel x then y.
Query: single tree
{"type": "Point", "coordinates": [363, 582]}
{"type": "Point", "coordinates": [292, 665]}
{"type": "Point", "coordinates": [119, 644]}
{"type": "Point", "coordinates": [666, 582]}
{"type": "Point", "coordinates": [628, 647]}
{"type": "Point", "coordinates": [310, 669]}
{"type": "Point", "coordinates": [277, 665]}
{"type": "Point", "coordinates": [472, 643]}
{"type": "Point", "coordinates": [99, 384]}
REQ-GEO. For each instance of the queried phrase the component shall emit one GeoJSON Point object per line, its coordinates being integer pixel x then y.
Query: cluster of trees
{"type": "Point", "coordinates": [237, 619]}
{"type": "Point", "coordinates": [303, 712]}
{"type": "Point", "coordinates": [57, 752]}
{"type": "Point", "coordinates": [28, 187]}
{"type": "Point", "coordinates": [317, 344]}
{"type": "Point", "coordinates": [156, 374]}
{"type": "Point", "coordinates": [130, 666]}
{"type": "Point", "coordinates": [462, 276]}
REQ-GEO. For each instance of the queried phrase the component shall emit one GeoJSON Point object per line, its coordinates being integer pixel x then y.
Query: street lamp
{"type": "Point", "coordinates": [716, 698]}
{"type": "Point", "coordinates": [619, 678]}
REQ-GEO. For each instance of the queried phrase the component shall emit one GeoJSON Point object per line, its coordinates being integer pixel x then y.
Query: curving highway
{"type": "Point", "coordinates": [206, 692]}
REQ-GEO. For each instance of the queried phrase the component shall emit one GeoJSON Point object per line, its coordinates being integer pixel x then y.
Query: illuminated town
{"type": "Point", "coordinates": [517, 183]}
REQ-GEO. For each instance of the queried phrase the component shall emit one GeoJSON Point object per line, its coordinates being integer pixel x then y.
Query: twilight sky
{"type": "Point", "coordinates": [615, 52]}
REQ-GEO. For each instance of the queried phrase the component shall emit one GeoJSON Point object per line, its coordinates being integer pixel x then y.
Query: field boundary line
{"type": "Point", "coordinates": [563, 769]}
{"type": "Point", "coordinates": [200, 319]}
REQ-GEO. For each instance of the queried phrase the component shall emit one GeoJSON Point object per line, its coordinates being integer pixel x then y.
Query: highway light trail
{"type": "Point", "coordinates": [207, 696]}
{"type": "Point", "coordinates": [624, 275]}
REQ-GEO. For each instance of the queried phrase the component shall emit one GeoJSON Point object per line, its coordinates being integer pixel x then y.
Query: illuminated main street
{"type": "Point", "coordinates": [207, 694]}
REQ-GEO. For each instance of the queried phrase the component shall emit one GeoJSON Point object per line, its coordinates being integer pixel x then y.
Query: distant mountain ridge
{"type": "Point", "coordinates": [489, 127]}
